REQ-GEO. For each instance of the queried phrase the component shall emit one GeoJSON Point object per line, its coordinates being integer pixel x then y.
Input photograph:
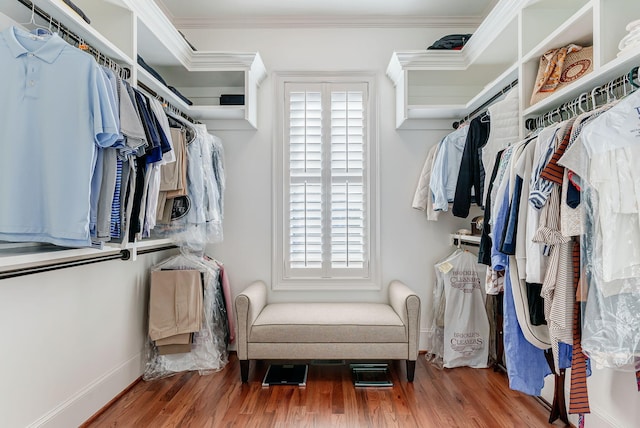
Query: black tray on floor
{"type": "Point", "coordinates": [376, 375]}
{"type": "Point", "coordinates": [286, 374]}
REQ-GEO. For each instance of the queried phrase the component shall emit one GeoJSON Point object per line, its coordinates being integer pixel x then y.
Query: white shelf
{"type": "Point", "coordinates": [577, 29]}
{"type": "Point", "coordinates": [458, 111]}
{"type": "Point", "coordinates": [152, 83]}
{"type": "Point", "coordinates": [23, 255]}
{"type": "Point", "coordinates": [465, 239]}
{"type": "Point", "coordinates": [42, 255]}
{"type": "Point", "coordinates": [89, 33]}
{"type": "Point", "coordinates": [440, 84]}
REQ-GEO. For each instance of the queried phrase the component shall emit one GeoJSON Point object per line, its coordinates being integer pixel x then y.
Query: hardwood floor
{"type": "Point", "coordinates": [460, 397]}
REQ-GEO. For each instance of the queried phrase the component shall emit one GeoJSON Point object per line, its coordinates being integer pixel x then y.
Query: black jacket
{"type": "Point", "coordinates": [471, 171]}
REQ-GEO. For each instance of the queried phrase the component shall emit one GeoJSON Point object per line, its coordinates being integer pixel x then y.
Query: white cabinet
{"type": "Point", "coordinates": [124, 29]}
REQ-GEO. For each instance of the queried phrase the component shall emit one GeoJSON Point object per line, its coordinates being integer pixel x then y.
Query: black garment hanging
{"type": "Point", "coordinates": [471, 173]}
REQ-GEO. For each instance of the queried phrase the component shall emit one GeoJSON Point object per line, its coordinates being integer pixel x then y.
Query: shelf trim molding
{"type": "Point", "coordinates": [362, 21]}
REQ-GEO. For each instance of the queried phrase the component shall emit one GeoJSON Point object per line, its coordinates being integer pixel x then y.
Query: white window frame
{"type": "Point", "coordinates": [281, 277]}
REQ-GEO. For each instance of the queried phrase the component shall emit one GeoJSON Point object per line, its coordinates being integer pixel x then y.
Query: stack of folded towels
{"type": "Point", "coordinates": [630, 42]}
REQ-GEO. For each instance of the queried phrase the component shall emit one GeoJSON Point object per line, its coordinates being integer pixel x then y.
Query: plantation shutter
{"type": "Point", "coordinates": [326, 183]}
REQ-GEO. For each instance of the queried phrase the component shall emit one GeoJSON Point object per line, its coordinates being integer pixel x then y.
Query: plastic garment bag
{"type": "Point", "coordinates": [435, 338]}
{"type": "Point", "coordinates": [611, 244]}
{"type": "Point", "coordinates": [208, 349]}
{"type": "Point", "coordinates": [197, 220]}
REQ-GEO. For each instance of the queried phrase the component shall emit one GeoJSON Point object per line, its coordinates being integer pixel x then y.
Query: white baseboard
{"type": "Point", "coordinates": [422, 344]}
{"type": "Point", "coordinates": [86, 402]}
{"type": "Point", "coordinates": [598, 418]}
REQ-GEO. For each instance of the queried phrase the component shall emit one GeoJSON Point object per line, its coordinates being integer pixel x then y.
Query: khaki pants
{"type": "Point", "coordinates": [175, 303]}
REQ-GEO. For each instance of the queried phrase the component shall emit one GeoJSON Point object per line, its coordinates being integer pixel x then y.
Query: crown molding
{"type": "Point", "coordinates": [500, 17]}
{"type": "Point", "coordinates": [371, 21]}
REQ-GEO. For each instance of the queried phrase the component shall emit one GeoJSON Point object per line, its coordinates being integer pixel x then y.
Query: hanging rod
{"type": "Point", "coordinates": [486, 104]}
{"type": "Point", "coordinates": [48, 267]}
{"type": "Point", "coordinates": [589, 100]}
{"type": "Point", "coordinates": [150, 92]}
{"type": "Point", "coordinates": [123, 72]}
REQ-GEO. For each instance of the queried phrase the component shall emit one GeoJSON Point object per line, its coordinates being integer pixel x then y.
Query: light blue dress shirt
{"type": "Point", "coordinates": [54, 112]}
{"type": "Point", "coordinates": [444, 176]}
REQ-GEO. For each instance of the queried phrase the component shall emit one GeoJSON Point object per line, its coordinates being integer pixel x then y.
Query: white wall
{"type": "Point", "coordinates": [72, 339]}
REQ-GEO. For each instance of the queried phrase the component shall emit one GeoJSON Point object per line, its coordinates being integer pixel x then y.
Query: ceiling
{"type": "Point", "coordinates": [185, 12]}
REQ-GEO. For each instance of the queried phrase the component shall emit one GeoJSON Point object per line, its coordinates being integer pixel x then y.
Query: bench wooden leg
{"type": "Point", "coordinates": [411, 369]}
{"type": "Point", "coordinates": [244, 370]}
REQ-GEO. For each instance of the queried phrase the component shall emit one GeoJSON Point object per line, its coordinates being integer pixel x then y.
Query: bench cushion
{"type": "Point", "coordinates": [328, 322]}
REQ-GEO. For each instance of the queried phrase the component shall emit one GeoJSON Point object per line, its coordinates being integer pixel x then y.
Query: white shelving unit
{"type": "Point", "coordinates": [201, 76]}
{"type": "Point", "coordinates": [124, 29]}
{"type": "Point", "coordinates": [460, 81]}
{"type": "Point", "coordinates": [120, 30]}
{"type": "Point", "coordinates": [435, 84]}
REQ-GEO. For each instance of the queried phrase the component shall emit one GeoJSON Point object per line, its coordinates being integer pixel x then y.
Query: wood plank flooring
{"type": "Point", "coordinates": [460, 397]}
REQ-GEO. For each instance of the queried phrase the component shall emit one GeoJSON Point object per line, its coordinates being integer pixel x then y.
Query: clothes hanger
{"type": "Point", "coordinates": [39, 30]}
{"type": "Point", "coordinates": [632, 73]}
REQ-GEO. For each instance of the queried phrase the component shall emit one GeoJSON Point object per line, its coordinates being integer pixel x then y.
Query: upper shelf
{"type": "Point", "coordinates": [202, 76]}
{"type": "Point", "coordinates": [98, 34]}
{"type": "Point", "coordinates": [440, 84]}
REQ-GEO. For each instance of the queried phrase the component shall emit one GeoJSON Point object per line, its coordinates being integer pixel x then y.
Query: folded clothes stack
{"type": "Point", "coordinates": [630, 42]}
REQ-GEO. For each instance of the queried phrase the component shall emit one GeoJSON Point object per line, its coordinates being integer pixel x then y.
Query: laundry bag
{"type": "Point", "coordinates": [466, 326]}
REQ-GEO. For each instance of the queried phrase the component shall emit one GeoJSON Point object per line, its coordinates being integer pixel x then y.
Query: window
{"type": "Point", "coordinates": [326, 210]}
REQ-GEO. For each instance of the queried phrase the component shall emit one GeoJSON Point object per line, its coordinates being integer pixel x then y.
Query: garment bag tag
{"type": "Point", "coordinates": [445, 267]}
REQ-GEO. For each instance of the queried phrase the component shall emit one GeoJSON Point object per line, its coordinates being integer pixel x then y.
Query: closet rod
{"type": "Point", "coordinates": [14, 273]}
{"type": "Point", "coordinates": [123, 72]}
{"type": "Point", "coordinates": [165, 103]}
{"type": "Point", "coordinates": [588, 99]}
{"type": "Point", "coordinates": [122, 255]}
{"type": "Point", "coordinates": [486, 104]}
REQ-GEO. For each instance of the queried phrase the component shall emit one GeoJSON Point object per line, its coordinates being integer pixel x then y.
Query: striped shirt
{"type": "Point", "coordinates": [557, 288]}
{"type": "Point", "coordinates": [578, 394]}
{"type": "Point", "coordinates": [539, 187]}
{"type": "Point", "coordinates": [554, 172]}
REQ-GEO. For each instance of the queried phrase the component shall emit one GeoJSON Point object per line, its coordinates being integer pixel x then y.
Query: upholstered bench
{"type": "Point", "coordinates": [349, 331]}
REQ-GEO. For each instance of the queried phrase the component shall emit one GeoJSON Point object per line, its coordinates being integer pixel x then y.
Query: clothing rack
{"type": "Point", "coordinates": [606, 93]}
{"type": "Point", "coordinates": [486, 104]}
{"type": "Point", "coordinates": [101, 58]}
{"type": "Point", "coordinates": [167, 105]}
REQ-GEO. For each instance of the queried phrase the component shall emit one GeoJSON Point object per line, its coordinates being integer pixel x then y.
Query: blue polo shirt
{"type": "Point", "coordinates": [54, 111]}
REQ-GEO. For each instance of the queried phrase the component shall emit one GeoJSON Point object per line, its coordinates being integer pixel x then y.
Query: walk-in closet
{"type": "Point", "coordinates": [326, 214]}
